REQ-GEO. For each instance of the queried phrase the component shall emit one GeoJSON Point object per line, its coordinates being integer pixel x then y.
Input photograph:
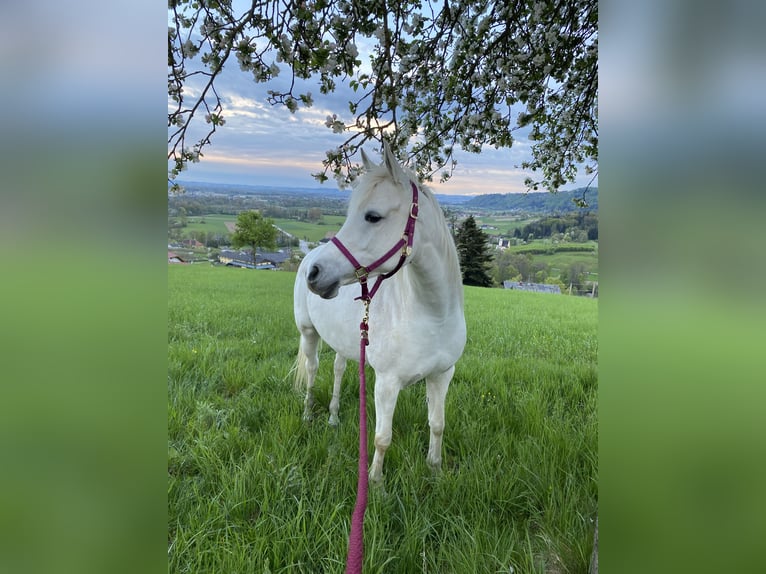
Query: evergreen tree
{"type": "Point", "coordinates": [473, 250]}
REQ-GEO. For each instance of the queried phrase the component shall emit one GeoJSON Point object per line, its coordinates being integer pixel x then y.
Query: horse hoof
{"type": "Point", "coordinates": [375, 480]}
{"type": "Point", "coordinates": [308, 417]}
{"type": "Point", "coordinates": [334, 421]}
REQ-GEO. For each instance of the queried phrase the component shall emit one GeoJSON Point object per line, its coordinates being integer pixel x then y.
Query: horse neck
{"type": "Point", "coordinates": [434, 272]}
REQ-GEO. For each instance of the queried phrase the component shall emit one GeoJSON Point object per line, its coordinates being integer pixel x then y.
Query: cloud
{"type": "Point", "coordinates": [266, 143]}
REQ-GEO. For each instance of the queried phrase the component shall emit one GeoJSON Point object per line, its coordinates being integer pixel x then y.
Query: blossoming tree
{"type": "Point", "coordinates": [441, 73]}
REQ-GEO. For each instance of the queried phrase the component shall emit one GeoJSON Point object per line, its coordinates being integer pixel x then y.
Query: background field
{"type": "Point", "coordinates": [503, 224]}
{"type": "Point", "coordinates": [311, 231]}
{"type": "Point", "coordinates": [301, 229]}
{"type": "Point", "coordinates": [215, 222]}
{"type": "Point", "coordinates": [560, 257]}
{"type": "Point", "coordinates": [252, 488]}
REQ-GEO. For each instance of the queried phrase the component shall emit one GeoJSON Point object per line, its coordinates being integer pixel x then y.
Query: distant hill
{"type": "Point", "coordinates": [538, 202]}
{"type": "Point", "coordinates": [328, 191]}
{"type": "Point", "coordinates": [245, 189]}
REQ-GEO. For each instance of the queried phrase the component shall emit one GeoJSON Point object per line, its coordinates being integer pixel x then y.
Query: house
{"type": "Point", "coordinates": [191, 243]}
{"type": "Point", "coordinates": [244, 259]}
{"type": "Point", "coordinates": [173, 257]}
{"type": "Point", "coordinates": [538, 287]}
{"type": "Point", "coordinates": [232, 258]}
{"type": "Point", "coordinates": [274, 258]}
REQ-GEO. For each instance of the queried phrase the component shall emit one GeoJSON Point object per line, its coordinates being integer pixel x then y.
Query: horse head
{"type": "Point", "coordinates": [382, 206]}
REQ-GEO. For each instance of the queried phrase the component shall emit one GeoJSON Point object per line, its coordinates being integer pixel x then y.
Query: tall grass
{"type": "Point", "coordinates": [253, 488]}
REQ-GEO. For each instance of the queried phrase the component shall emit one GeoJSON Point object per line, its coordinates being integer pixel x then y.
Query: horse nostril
{"type": "Point", "coordinates": [313, 273]}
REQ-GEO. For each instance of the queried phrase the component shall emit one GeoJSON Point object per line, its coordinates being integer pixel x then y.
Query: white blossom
{"type": "Point", "coordinates": [449, 72]}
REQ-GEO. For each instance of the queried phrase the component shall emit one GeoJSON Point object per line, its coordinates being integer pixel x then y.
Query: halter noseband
{"type": "Point", "coordinates": [405, 244]}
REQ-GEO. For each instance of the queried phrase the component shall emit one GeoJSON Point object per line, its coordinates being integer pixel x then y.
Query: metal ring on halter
{"type": "Point", "coordinates": [406, 248]}
{"type": "Point", "coordinates": [414, 210]}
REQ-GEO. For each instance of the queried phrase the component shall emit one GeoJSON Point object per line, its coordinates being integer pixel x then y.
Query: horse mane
{"type": "Point", "coordinates": [446, 242]}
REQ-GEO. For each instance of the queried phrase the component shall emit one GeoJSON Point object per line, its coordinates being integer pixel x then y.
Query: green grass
{"type": "Point", "coordinates": [561, 256]}
{"type": "Point", "coordinates": [301, 229]}
{"type": "Point", "coordinates": [252, 488]}
{"type": "Point", "coordinates": [504, 224]}
{"type": "Point", "coordinates": [560, 261]}
{"type": "Point", "coordinates": [214, 222]}
{"type": "Point", "coordinates": [537, 245]}
{"type": "Point", "coordinates": [314, 231]}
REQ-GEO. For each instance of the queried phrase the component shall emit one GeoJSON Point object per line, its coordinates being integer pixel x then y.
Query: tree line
{"type": "Point", "coordinates": [585, 198]}
{"type": "Point", "coordinates": [577, 227]}
{"type": "Point", "coordinates": [273, 205]}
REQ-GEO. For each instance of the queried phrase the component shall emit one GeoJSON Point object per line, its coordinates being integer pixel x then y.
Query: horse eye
{"type": "Point", "coordinates": [372, 217]}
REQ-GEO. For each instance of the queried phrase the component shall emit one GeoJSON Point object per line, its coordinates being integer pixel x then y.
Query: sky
{"type": "Point", "coordinates": [262, 144]}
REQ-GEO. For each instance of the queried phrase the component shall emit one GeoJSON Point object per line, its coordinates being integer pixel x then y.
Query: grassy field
{"type": "Point", "coordinates": [300, 229]}
{"type": "Point", "coordinates": [214, 222]}
{"type": "Point", "coordinates": [562, 258]}
{"type": "Point", "coordinates": [253, 488]}
{"type": "Point", "coordinates": [504, 224]}
{"type": "Point", "coordinates": [312, 231]}
{"type": "Point", "coordinates": [537, 245]}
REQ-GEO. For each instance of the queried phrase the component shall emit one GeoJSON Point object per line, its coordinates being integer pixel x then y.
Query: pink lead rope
{"type": "Point", "coordinates": [356, 538]}
{"type": "Point", "coordinates": [355, 555]}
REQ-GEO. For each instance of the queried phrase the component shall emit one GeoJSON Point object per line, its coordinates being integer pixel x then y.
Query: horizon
{"type": "Point", "coordinates": [331, 187]}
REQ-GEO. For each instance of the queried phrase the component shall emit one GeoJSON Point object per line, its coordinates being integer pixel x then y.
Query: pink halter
{"type": "Point", "coordinates": [405, 244]}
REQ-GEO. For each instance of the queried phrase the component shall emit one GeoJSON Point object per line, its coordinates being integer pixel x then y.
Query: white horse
{"type": "Point", "coordinates": [416, 326]}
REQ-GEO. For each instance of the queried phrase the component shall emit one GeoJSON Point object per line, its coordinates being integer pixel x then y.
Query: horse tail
{"type": "Point", "coordinates": [299, 370]}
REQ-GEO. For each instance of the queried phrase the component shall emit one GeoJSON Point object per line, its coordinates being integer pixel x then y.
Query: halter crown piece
{"type": "Point", "coordinates": [355, 554]}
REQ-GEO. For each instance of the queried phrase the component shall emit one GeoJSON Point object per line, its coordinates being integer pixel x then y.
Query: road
{"type": "Point", "coordinates": [302, 245]}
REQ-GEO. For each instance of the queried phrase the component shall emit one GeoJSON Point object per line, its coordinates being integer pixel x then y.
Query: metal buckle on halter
{"type": "Point", "coordinates": [361, 274]}
{"type": "Point", "coordinates": [414, 210]}
{"type": "Point", "coordinates": [406, 248]}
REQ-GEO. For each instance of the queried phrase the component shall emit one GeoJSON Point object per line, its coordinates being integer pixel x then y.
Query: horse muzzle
{"type": "Point", "coordinates": [319, 285]}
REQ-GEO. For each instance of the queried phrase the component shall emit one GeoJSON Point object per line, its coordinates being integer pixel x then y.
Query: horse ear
{"type": "Point", "coordinates": [392, 165]}
{"type": "Point", "coordinates": [368, 165]}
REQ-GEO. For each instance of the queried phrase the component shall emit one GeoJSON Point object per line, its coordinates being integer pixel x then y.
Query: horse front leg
{"type": "Point", "coordinates": [436, 393]}
{"type": "Point", "coordinates": [386, 394]}
{"type": "Point", "coordinates": [339, 367]}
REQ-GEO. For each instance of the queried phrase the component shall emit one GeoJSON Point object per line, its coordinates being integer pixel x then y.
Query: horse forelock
{"type": "Point", "coordinates": [437, 231]}
{"type": "Point", "coordinates": [380, 174]}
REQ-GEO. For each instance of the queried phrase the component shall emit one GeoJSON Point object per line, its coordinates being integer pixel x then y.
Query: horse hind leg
{"type": "Point", "coordinates": [436, 393]}
{"type": "Point", "coordinates": [339, 367]}
{"type": "Point", "coordinates": [307, 365]}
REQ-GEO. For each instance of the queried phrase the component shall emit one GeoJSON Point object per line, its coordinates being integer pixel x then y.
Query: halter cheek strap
{"type": "Point", "coordinates": [404, 244]}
